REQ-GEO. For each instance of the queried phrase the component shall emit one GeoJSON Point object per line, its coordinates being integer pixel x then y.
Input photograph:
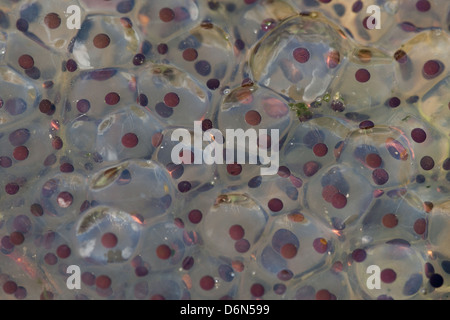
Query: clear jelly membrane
{"type": "Point", "coordinates": [91, 93]}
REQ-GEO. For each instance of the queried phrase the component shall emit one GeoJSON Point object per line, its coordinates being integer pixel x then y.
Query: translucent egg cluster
{"type": "Point", "coordinates": [91, 92]}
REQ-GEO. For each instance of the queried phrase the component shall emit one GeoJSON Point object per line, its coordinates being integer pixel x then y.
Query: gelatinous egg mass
{"type": "Point", "coordinates": [236, 149]}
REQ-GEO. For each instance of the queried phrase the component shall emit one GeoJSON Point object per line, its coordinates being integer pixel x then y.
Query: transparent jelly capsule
{"type": "Point", "coordinates": [59, 197]}
{"type": "Point", "coordinates": [160, 21]}
{"type": "Point", "coordinates": [291, 237]}
{"type": "Point", "coordinates": [303, 66]}
{"type": "Point", "coordinates": [124, 187]}
{"type": "Point", "coordinates": [232, 225]}
{"type": "Point", "coordinates": [161, 286]}
{"type": "Point", "coordinates": [177, 98]}
{"type": "Point", "coordinates": [104, 41]}
{"type": "Point", "coordinates": [312, 147]}
{"type": "Point", "coordinates": [392, 270]}
{"type": "Point", "coordinates": [18, 96]}
{"type": "Point", "coordinates": [165, 246]}
{"type": "Point", "coordinates": [382, 154]}
{"type": "Point", "coordinates": [339, 195]}
{"type": "Point", "coordinates": [106, 235]}
{"type": "Point", "coordinates": [210, 278]}
{"type": "Point", "coordinates": [98, 92]}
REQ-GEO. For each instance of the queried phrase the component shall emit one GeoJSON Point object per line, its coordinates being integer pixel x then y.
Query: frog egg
{"type": "Point", "coordinates": [304, 65]}
{"type": "Point", "coordinates": [161, 21]}
{"type": "Point", "coordinates": [206, 53]}
{"type": "Point", "coordinates": [330, 284]}
{"type": "Point", "coordinates": [177, 98]}
{"type": "Point", "coordinates": [127, 181]}
{"type": "Point", "coordinates": [117, 136]}
{"type": "Point", "coordinates": [390, 270]}
{"type": "Point", "coordinates": [97, 92]}
{"type": "Point", "coordinates": [397, 214]}
{"type": "Point", "coordinates": [58, 198]}
{"type": "Point", "coordinates": [232, 225]}
{"type": "Point", "coordinates": [340, 196]}
{"type": "Point", "coordinates": [106, 235]}
{"type": "Point", "coordinates": [209, 277]}
{"type": "Point", "coordinates": [103, 41]}
{"type": "Point", "coordinates": [182, 152]}
{"type": "Point", "coordinates": [19, 95]}
{"type": "Point", "coordinates": [313, 146]}
{"type": "Point", "coordinates": [381, 154]}
{"type": "Point", "coordinates": [292, 237]}
{"type": "Point", "coordinates": [165, 246]}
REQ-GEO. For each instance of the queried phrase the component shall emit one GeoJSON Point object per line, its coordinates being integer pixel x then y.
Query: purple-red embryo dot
{"type": "Point", "coordinates": [171, 99]}
{"type": "Point", "coordinates": [362, 75]}
{"type": "Point", "coordinates": [163, 252]}
{"type": "Point", "coordinates": [388, 275]}
{"type": "Point", "coordinates": [63, 251]}
{"type": "Point", "coordinates": [207, 282]}
{"type": "Point", "coordinates": [109, 240]}
{"type": "Point", "coordinates": [359, 255]}
{"type": "Point", "coordinates": [195, 216]}
{"type": "Point", "coordinates": [339, 200]}
{"type": "Point", "coordinates": [236, 232]}
{"type": "Point", "coordinates": [130, 140]}
{"type": "Point", "coordinates": [427, 163]}
{"type": "Point", "coordinates": [112, 98]}
{"type": "Point", "coordinates": [275, 204]}
{"type": "Point", "coordinates": [418, 135]}
{"type": "Point", "coordinates": [320, 149]}
{"type": "Point", "coordinates": [257, 290]}
{"type": "Point", "coordinates": [380, 176]}
{"type": "Point", "coordinates": [166, 14]}
{"type": "Point", "coordinates": [320, 245]}
{"type": "Point", "coordinates": [301, 55]}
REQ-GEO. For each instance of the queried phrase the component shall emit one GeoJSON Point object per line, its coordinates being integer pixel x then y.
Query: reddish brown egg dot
{"type": "Point", "coordinates": [57, 143]}
{"type": "Point", "coordinates": [420, 226]}
{"type": "Point", "coordinates": [9, 287]}
{"type": "Point", "coordinates": [301, 55]}
{"type": "Point", "coordinates": [242, 245]}
{"type": "Point", "coordinates": [380, 176]}
{"type": "Point", "coordinates": [16, 238]}
{"type": "Point", "coordinates": [52, 20]}
{"type": "Point", "coordinates": [20, 153]}
{"type": "Point", "coordinates": [339, 201]}
{"type": "Point", "coordinates": [359, 255]}
{"type": "Point", "coordinates": [26, 61]}
{"type": "Point", "coordinates": [45, 106]}
{"type": "Point", "coordinates": [310, 168]}
{"type": "Point", "coordinates": [320, 149]}
{"type": "Point", "coordinates": [163, 251]}
{"type": "Point", "coordinates": [362, 75]}
{"type": "Point", "coordinates": [71, 65]}
{"type": "Point", "coordinates": [388, 275]}
{"type": "Point", "coordinates": [207, 283]}
{"type": "Point", "coordinates": [171, 99]}
{"type": "Point", "coordinates": [296, 217]}
{"type": "Point", "coordinates": [195, 216]}
{"type": "Point", "coordinates": [423, 5]}
{"type": "Point", "coordinates": [323, 294]}
{"type": "Point", "coordinates": [427, 163]}
{"type": "Point", "coordinates": [320, 245]}
{"type": "Point", "coordinates": [166, 14]}
{"type": "Point", "coordinates": [236, 232]}
{"type": "Point", "coordinates": [373, 160]}
{"type": "Point", "coordinates": [234, 169]}
{"type": "Point", "coordinates": [288, 251]}
{"type": "Point", "coordinates": [389, 220]}
{"type": "Point", "coordinates": [257, 290]}
{"type": "Point", "coordinates": [328, 192]}
{"type": "Point", "coordinates": [253, 118]}
{"type": "Point", "coordinates": [112, 98]}
{"type": "Point", "coordinates": [63, 251]}
{"type": "Point", "coordinates": [64, 199]}
{"type": "Point", "coordinates": [101, 41]}
{"type": "Point", "coordinates": [130, 140]}
{"type": "Point", "coordinates": [190, 54]}
{"type": "Point", "coordinates": [12, 188]}
{"type": "Point", "coordinates": [50, 259]}
{"type": "Point", "coordinates": [109, 240]}
{"type": "Point", "coordinates": [418, 135]}
{"type": "Point", "coordinates": [432, 69]}
{"type": "Point", "coordinates": [103, 282]}
{"type": "Point", "coordinates": [275, 205]}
